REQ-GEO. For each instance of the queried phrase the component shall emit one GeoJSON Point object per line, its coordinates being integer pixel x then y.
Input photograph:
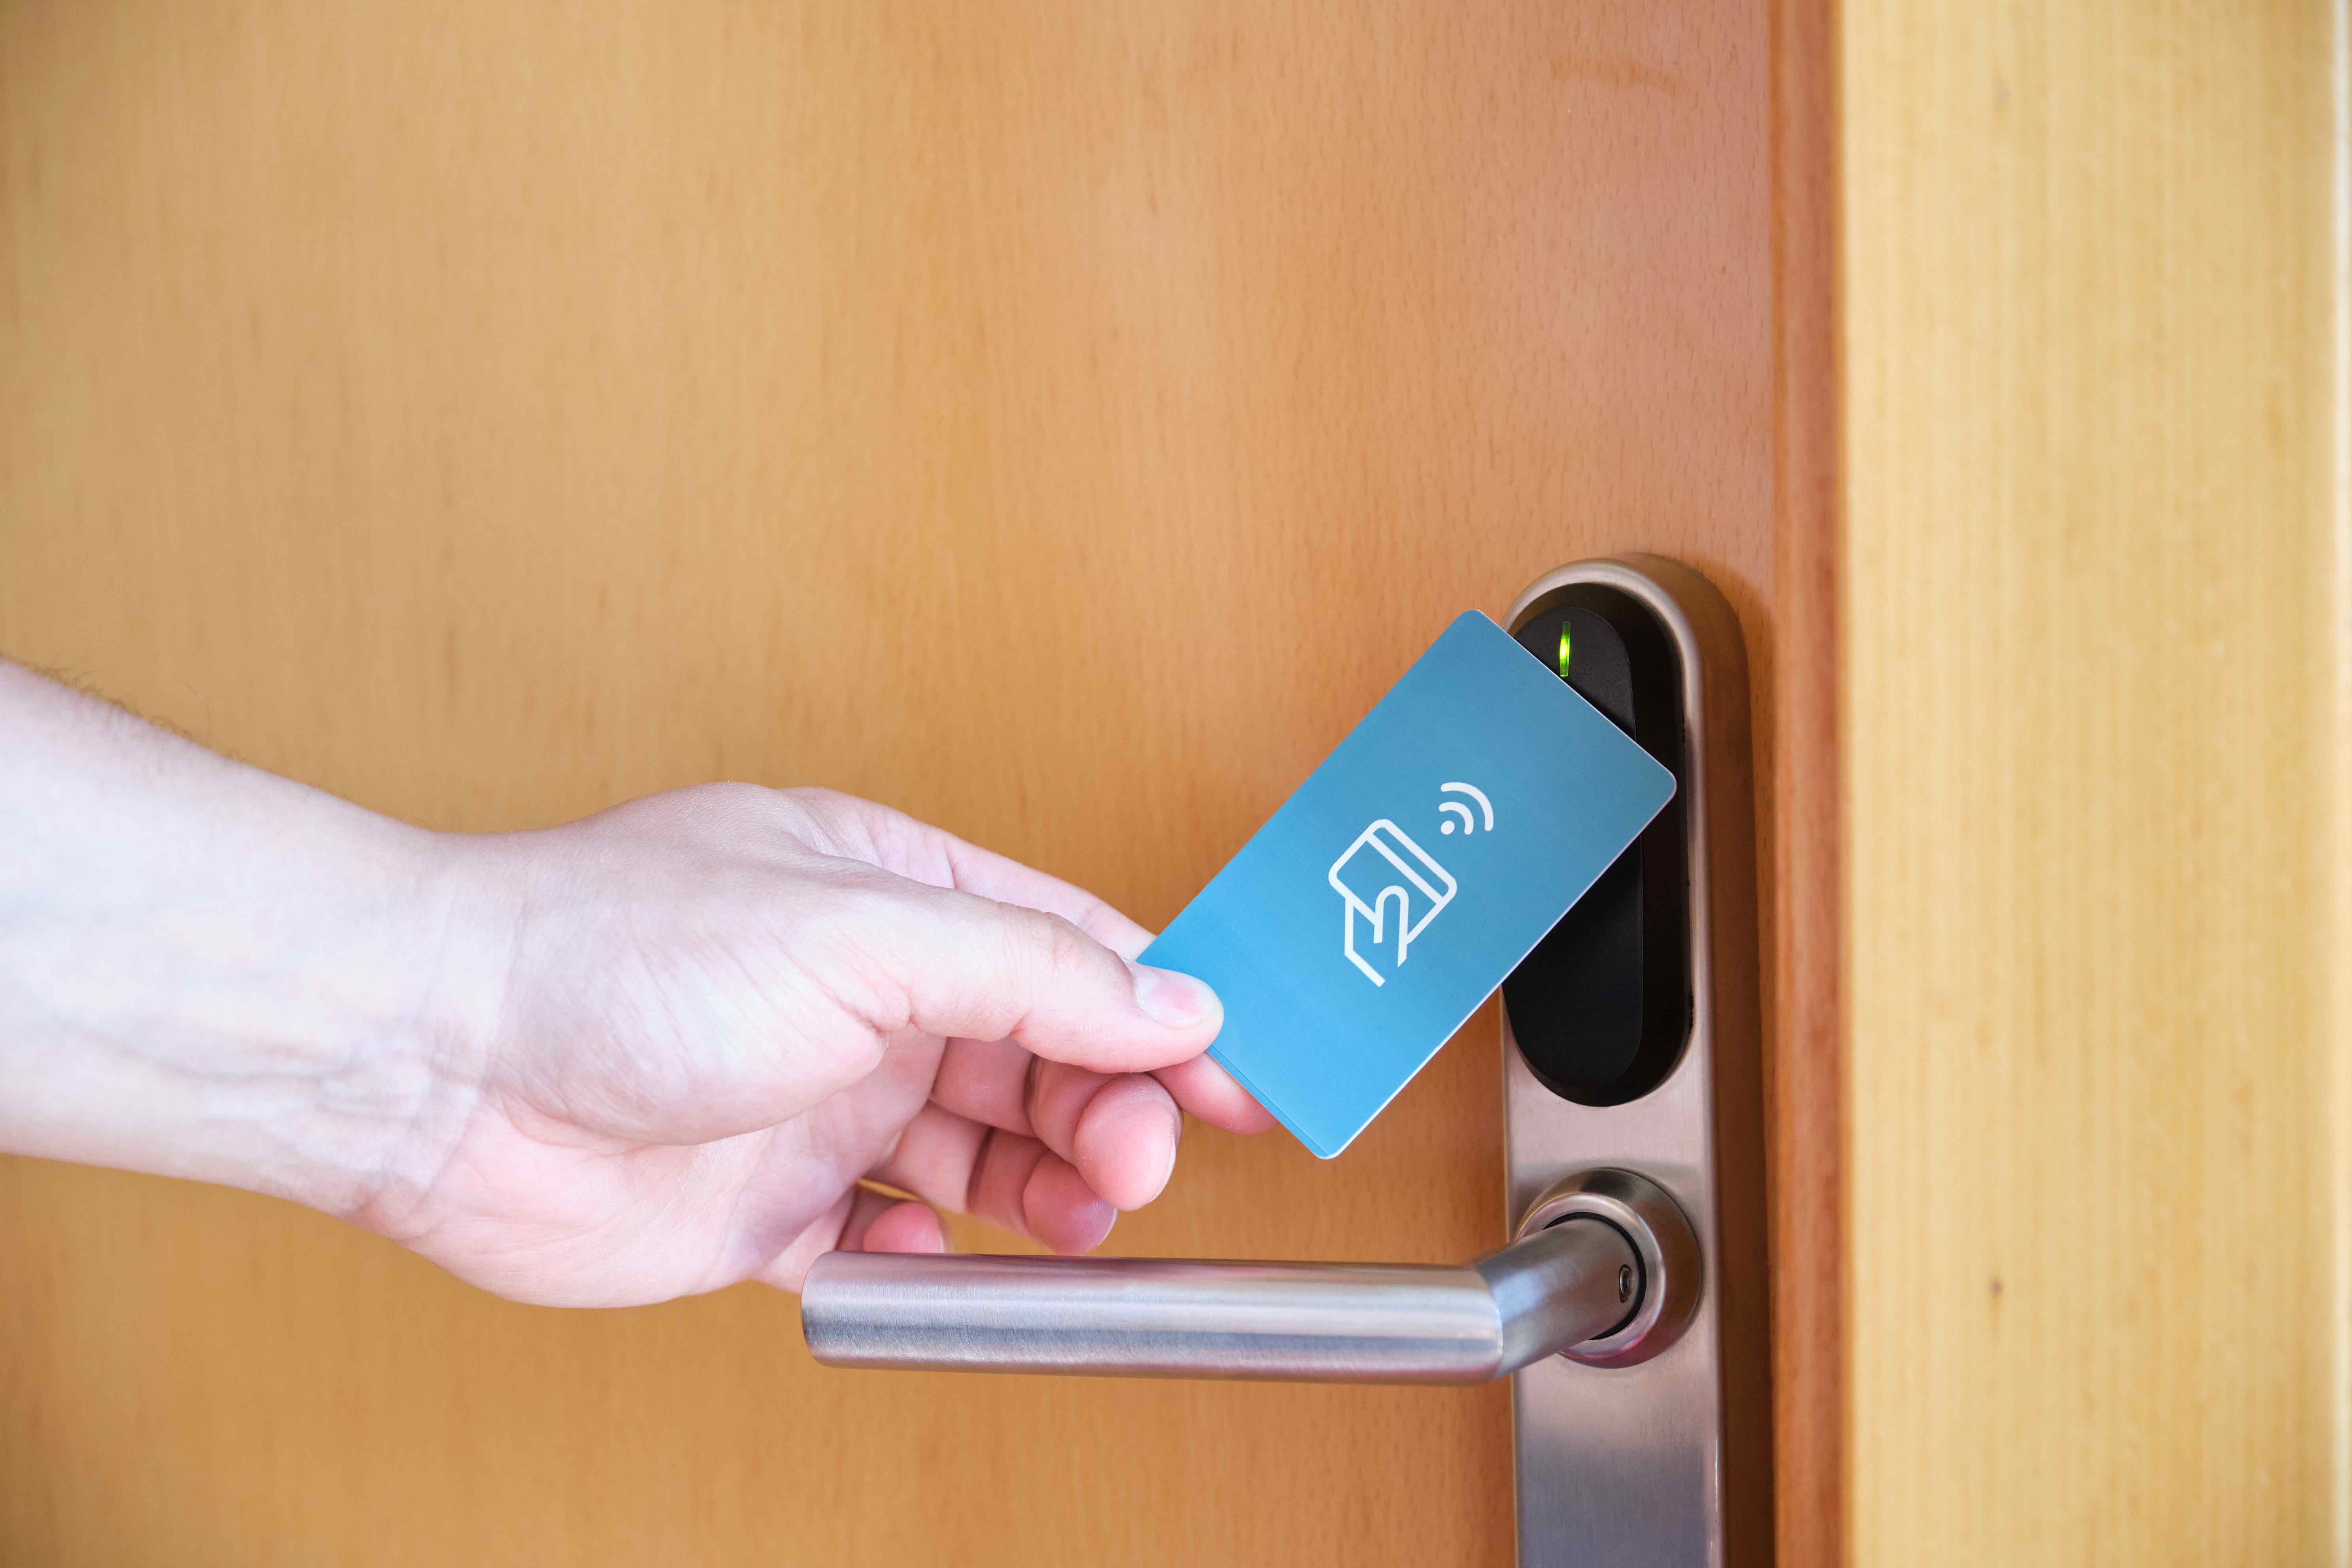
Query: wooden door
{"type": "Point", "coordinates": [1061, 422]}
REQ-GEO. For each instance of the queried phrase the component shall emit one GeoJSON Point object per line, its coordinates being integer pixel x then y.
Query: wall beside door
{"type": "Point", "coordinates": [1061, 422]}
{"type": "Point", "coordinates": [2097, 715]}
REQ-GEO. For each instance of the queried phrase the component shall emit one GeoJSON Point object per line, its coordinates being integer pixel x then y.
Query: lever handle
{"type": "Point", "coordinates": [1582, 1277]}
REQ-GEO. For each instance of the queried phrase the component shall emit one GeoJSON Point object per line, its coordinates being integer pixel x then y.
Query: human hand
{"type": "Point", "coordinates": [684, 1030]}
{"type": "Point", "coordinates": [648, 1054]}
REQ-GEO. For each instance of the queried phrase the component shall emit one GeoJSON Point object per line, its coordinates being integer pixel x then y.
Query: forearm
{"type": "Point", "coordinates": [209, 972]}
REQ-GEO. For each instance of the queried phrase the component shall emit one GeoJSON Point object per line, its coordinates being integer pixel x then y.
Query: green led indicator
{"type": "Point", "coordinates": [1563, 648]}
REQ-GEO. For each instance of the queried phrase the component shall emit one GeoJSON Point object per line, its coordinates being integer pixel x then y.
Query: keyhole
{"type": "Point", "coordinates": [1624, 1282]}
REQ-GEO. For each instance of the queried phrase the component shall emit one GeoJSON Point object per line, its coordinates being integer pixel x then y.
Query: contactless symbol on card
{"type": "Point", "coordinates": [1395, 887]}
{"type": "Point", "coordinates": [1432, 915]}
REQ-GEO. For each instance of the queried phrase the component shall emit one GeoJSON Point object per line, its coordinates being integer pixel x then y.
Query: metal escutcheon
{"type": "Point", "coordinates": [1667, 1291]}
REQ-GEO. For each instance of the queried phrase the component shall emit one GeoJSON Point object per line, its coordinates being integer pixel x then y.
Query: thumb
{"type": "Point", "coordinates": [970, 967]}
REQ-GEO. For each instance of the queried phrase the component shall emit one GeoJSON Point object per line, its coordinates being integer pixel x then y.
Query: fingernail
{"type": "Point", "coordinates": [1168, 1171]}
{"type": "Point", "coordinates": [1097, 1225]}
{"type": "Point", "coordinates": [1166, 998]}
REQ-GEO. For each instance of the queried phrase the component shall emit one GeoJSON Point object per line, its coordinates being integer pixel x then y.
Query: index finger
{"type": "Point", "coordinates": [1201, 1086]}
{"type": "Point", "coordinates": [1009, 881]}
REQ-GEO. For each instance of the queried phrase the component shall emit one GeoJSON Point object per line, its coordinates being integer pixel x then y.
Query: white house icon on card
{"type": "Point", "coordinates": [1390, 890]}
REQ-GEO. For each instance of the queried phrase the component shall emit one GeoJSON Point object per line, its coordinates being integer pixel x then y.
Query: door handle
{"type": "Point", "coordinates": [1631, 1043]}
{"type": "Point", "coordinates": [1606, 1272]}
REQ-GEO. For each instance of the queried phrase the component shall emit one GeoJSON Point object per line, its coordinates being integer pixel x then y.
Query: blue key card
{"type": "Point", "coordinates": [1411, 872]}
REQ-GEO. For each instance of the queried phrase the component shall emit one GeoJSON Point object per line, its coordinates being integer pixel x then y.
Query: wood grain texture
{"type": "Point", "coordinates": [2094, 729]}
{"type": "Point", "coordinates": [1806, 1064]}
{"type": "Point", "coordinates": [1059, 421]}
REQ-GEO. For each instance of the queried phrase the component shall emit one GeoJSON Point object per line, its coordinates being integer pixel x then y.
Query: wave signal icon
{"type": "Point", "coordinates": [1470, 821]}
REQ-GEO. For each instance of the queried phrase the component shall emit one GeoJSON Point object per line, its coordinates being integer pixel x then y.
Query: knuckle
{"type": "Point", "coordinates": [828, 806]}
{"type": "Point", "coordinates": [1063, 948]}
{"type": "Point", "coordinates": [819, 816]}
{"type": "Point", "coordinates": [729, 801]}
{"type": "Point", "coordinates": [1057, 951]}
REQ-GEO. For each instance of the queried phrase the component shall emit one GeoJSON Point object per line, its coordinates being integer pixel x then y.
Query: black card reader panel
{"type": "Point", "coordinates": [1601, 1008]}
